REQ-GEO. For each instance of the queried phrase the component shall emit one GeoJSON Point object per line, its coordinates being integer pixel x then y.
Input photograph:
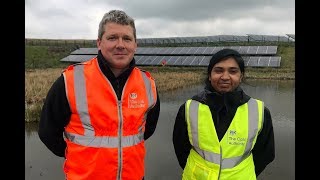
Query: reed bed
{"type": "Point", "coordinates": [167, 81]}
{"type": "Point", "coordinates": [39, 81]}
{"type": "Point", "coordinates": [37, 84]}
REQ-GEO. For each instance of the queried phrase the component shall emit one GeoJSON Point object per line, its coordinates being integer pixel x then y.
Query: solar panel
{"type": "Point", "coordinates": [234, 48]}
{"type": "Point", "coordinates": [188, 60]}
{"type": "Point", "coordinates": [171, 40]}
{"type": "Point", "coordinates": [178, 50]}
{"type": "Point", "coordinates": [274, 62]}
{"type": "Point", "coordinates": [244, 50]}
{"type": "Point", "coordinates": [172, 60]}
{"type": "Point", "coordinates": [205, 61]}
{"type": "Point", "coordinates": [272, 50]}
{"type": "Point", "coordinates": [217, 38]}
{"type": "Point", "coordinates": [138, 59]}
{"type": "Point", "coordinates": [149, 41]}
{"type": "Point", "coordinates": [163, 50]}
{"type": "Point", "coordinates": [213, 39]}
{"type": "Point", "coordinates": [179, 60]}
{"type": "Point", "coordinates": [156, 60]}
{"type": "Point", "coordinates": [252, 50]}
{"type": "Point", "coordinates": [268, 38]}
{"type": "Point", "coordinates": [140, 50]}
{"type": "Point", "coordinates": [77, 58]}
{"type": "Point", "coordinates": [168, 50]}
{"type": "Point", "coordinates": [189, 39]}
{"type": "Point", "coordinates": [191, 50]}
{"type": "Point", "coordinates": [208, 50]}
{"type": "Point", "coordinates": [263, 61]}
{"type": "Point", "coordinates": [140, 41]}
{"type": "Point", "coordinates": [141, 59]}
{"type": "Point", "coordinates": [197, 60]}
{"type": "Point", "coordinates": [147, 59]}
{"type": "Point", "coordinates": [154, 51]}
{"type": "Point", "coordinates": [216, 49]}
{"type": "Point", "coordinates": [250, 61]}
{"type": "Point", "coordinates": [201, 50]}
{"type": "Point", "coordinates": [87, 51]}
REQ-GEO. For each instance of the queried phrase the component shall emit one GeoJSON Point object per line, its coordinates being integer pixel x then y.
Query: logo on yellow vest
{"type": "Point", "coordinates": [233, 139]}
{"type": "Point", "coordinates": [134, 102]}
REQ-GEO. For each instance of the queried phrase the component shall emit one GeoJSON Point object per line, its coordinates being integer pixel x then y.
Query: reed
{"type": "Point", "coordinates": [37, 84]}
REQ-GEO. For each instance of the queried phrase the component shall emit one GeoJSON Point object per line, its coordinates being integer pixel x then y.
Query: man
{"type": "Point", "coordinates": [105, 107]}
{"type": "Point", "coordinates": [222, 133]}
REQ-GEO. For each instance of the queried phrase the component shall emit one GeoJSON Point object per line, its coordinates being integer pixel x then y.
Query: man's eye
{"type": "Point", "coordinates": [127, 39]}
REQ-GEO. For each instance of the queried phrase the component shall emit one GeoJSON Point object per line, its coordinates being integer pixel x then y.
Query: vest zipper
{"type": "Point", "coordinates": [120, 138]}
{"type": "Point", "coordinates": [220, 162]}
{"type": "Point", "coordinates": [218, 118]}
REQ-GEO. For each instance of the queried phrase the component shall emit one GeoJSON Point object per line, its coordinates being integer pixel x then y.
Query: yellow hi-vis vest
{"type": "Point", "coordinates": [229, 159]}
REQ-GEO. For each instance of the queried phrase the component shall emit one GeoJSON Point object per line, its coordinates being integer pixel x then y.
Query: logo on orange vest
{"type": "Point", "coordinates": [133, 95]}
{"type": "Point", "coordinates": [134, 102]}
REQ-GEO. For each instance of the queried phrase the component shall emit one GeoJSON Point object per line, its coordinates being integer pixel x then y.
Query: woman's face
{"type": "Point", "coordinates": [225, 76]}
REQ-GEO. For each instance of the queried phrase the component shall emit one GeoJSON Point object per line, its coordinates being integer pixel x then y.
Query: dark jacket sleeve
{"type": "Point", "coordinates": [180, 137]}
{"type": "Point", "coordinates": [54, 117]}
{"type": "Point", "coordinates": [152, 119]}
{"type": "Point", "coordinates": [264, 149]}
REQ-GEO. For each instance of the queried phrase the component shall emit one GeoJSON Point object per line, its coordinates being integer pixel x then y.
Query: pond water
{"type": "Point", "coordinates": [161, 162]}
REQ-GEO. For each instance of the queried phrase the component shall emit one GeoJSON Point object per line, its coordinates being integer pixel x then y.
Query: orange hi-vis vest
{"type": "Point", "coordinates": [105, 136]}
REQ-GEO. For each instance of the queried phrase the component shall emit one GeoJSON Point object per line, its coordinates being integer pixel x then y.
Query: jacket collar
{"type": "Point", "coordinates": [105, 67]}
{"type": "Point", "coordinates": [218, 101]}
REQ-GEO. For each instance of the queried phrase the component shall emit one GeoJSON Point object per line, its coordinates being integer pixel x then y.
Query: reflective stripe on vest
{"type": "Point", "coordinates": [215, 157]}
{"type": "Point", "coordinates": [88, 139]}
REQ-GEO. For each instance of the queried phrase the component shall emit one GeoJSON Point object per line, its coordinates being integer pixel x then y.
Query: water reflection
{"type": "Point", "coordinates": [31, 129]}
{"type": "Point", "coordinates": [161, 162]}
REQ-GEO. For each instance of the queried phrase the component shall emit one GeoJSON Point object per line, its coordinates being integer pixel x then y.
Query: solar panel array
{"type": "Point", "coordinates": [195, 39]}
{"type": "Point", "coordinates": [252, 61]}
{"type": "Point", "coordinates": [254, 56]}
{"type": "Point", "coordinates": [214, 39]}
{"type": "Point", "coordinates": [268, 38]}
{"type": "Point", "coordinates": [244, 50]}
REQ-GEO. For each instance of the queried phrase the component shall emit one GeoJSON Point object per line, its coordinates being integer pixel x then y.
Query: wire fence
{"type": "Point", "coordinates": [170, 40]}
{"type": "Point", "coordinates": [60, 42]}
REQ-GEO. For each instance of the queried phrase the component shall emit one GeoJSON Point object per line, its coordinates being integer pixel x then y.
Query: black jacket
{"type": "Point", "coordinates": [56, 112]}
{"type": "Point", "coordinates": [223, 108]}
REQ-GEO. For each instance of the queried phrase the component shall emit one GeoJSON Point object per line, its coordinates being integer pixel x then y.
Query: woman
{"type": "Point", "coordinates": [222, 133]}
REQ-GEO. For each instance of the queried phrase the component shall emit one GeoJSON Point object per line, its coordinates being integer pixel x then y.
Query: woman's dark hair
{"type": "Point", "coordinates": [222, 55]}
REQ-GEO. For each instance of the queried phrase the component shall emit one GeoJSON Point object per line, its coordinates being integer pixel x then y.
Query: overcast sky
{"type": "Point", "coordinates": [79, 19]}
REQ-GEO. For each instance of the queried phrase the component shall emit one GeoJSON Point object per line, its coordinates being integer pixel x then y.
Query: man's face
{"type": "Point", "coordinates": [225, 76]}
{"type": "Point", "coordinates": [117, 45]}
